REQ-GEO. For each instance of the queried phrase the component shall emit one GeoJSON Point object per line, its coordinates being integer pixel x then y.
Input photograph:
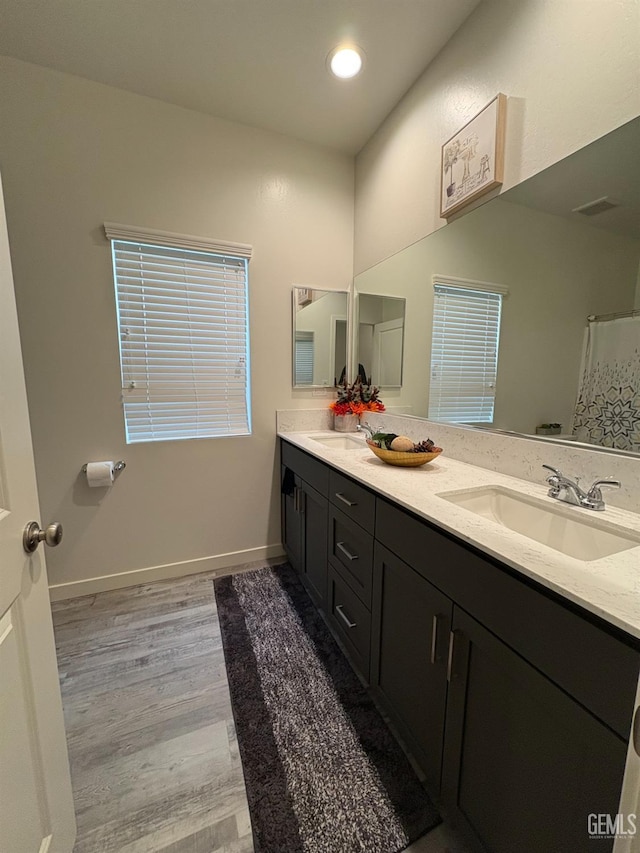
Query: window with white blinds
{"type": "Point", "coordinates": [464, 351]}
{"type": "Point", "coordinates": [304, 358]}
{"type": "Point", "coordinates": [184, 338]}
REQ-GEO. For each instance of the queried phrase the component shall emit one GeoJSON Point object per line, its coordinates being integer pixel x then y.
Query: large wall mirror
{"type": "Point", "coordinates": [320, 324]}
{"type": "Point", "coordinates": [561, 247]}
{"type": "Point", "coordinates": [379, 339]}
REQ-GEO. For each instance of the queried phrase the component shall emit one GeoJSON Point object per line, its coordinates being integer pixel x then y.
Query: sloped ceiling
{"type": "Point", "coordinates": [258, 62]}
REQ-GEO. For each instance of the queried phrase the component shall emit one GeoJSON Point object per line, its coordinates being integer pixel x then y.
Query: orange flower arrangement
{"type": "Point", "coordinates": [356, 399]}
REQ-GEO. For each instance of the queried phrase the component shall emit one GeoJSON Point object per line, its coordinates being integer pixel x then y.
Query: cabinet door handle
{"type": "Point", "coordinates": [346, 552]}
{"type": "Point", "coordinates": [299, 496]}
{"type": "Point", "coordinates": [302, 502]}
{"type": "Point", "coordinates": [345, 500]}
{"type": "Point", "coordinates": [451, 672]}
{"type": "Point", "coordinates": [636, 731]}
{"type": "Point", "coordinates": [344, 617]}
{"type": "Point", "coordinates": [434, 636]}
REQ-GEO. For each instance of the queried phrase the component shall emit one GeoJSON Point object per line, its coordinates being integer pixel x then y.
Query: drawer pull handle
{"type": "Point", "coordinates": [345, 500]}
{"type": "Point", "coordinates": [434, 637]}
{"type": "Point", "coordinates": [346, 552]}
{"type": "Point", "coordinates": [344, 617]}
{"type": "Point", "coordinates": [636, 731]}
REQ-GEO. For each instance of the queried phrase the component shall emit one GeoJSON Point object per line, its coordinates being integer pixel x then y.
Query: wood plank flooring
{"type": "Point", "coordinates": [153, 750]}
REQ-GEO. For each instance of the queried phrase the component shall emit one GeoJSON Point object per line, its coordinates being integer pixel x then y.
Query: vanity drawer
{"type": "Point", "coordinates": [305, 466]}
{"type": "Point", "coordinates": [588, 659]}
{"type": "Point", "coordinates": [353, 500]}
{"type": "Point", "coordinates": [351, 621]}
{"type": "Point", "coordinates": [351, 551]}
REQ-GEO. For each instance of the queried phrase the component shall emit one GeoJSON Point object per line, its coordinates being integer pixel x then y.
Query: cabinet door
{"type": "Point", "coordinates": [291, 522]}
{"type": "Point", "coordinates": [314, 509]}
{"type": "Point", "coordinates": [411, 623]}
{"type": "Point", "coordinates": [524, 764]}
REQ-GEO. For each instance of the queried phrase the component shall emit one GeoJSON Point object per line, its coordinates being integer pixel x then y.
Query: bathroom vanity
{"type": "Point", "coordinates": [509, 670]}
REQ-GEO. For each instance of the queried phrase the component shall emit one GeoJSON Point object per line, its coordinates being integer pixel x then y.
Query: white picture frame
{"type": "Point", "coordinates": [472, 160]}
{"type": "Point", "coordinates": [304, 295]}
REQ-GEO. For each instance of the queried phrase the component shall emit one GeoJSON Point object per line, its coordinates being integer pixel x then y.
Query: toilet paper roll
{"type": "Point", "coordinates": [100, 474]}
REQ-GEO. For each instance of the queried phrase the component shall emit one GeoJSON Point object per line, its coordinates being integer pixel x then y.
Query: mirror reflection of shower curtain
{"type": "Point", "coordinates": [608, 407]}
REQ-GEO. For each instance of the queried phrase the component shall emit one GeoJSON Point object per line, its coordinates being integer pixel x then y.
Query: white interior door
{"type": "Point", "coordinates": [36, 803]}
{"type": "Point", "coordinates": [387, 352]}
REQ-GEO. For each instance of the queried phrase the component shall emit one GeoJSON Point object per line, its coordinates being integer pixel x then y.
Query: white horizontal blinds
{"type": "Point", "coordinates": [183, 321]}
{"type": "Point", "coordinates": [304, 358]}
{"type": "Point", "coordinates": [464, 354]}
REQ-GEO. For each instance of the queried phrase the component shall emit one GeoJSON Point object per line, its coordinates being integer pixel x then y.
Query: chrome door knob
{"type": "Point", "coordinates": [33, 535]}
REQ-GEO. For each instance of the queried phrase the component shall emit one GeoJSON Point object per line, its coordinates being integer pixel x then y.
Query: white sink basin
{"type": "Point", "coordinates": [576, 532]}
{"type": "Point", "coordinates": [342, 442]}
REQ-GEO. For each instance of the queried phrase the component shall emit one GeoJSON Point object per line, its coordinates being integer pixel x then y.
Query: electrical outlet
{"type": "Point", "coordinates": [319, 392]}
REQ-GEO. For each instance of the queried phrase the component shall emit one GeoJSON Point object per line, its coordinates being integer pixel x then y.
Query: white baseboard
{"type": "Point", "coordinates": [217, 563]}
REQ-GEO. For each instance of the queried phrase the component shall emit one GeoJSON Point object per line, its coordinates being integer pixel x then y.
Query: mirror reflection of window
{"type": "Point", "coordinates": [464, 353]}
{"type": "Point", "coordinates": [303, 364]}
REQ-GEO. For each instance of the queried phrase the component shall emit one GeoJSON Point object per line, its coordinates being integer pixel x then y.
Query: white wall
{"type": "Point", "coordinates": [74, 154]}
{"type": "Point", "coordinates": [558, 272]}
{"type": "Point", "coordinates": [570, 69]}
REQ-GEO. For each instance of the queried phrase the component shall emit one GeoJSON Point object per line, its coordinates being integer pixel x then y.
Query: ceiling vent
{"type": "Point", "coordinates": [593, 208]}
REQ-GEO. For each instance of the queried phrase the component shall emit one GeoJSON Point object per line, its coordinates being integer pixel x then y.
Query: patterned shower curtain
{"type": "Point", "coordinates": [608, 408]}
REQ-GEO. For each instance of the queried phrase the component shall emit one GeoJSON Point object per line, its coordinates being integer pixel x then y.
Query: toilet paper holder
{"type": "Point", "coordinates": [117, 466]}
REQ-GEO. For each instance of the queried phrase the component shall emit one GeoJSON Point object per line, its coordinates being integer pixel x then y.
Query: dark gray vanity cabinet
{"type": "Point", "coordinates": [410, 637]}
{"type": "Point", "coordinates": [304, 519]}
{"type": "Point", "coordinates": [524, 763]}
{"type": "Point", "coordinates": [516, 704]}
{"type": "Point", "coordinates": [539, 696]}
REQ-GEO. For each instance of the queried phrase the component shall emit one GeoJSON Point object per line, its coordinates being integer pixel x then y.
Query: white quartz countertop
{"type": "Point", "coordinates": [608, 587]}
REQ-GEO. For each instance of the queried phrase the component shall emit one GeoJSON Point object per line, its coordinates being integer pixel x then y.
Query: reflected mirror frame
{"type": "Point", "coordinates": [305, 293]}
{"type": "Point", "coordinates": [356, 335]}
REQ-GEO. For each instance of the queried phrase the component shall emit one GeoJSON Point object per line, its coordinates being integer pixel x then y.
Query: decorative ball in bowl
{"type": "Point", "coordinates": [401, 451]}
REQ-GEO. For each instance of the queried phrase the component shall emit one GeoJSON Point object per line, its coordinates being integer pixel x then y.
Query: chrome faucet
{"type": "Point", "coordinates": [569, 491]}
{"type": "Point", "coordinates": [365, 428]}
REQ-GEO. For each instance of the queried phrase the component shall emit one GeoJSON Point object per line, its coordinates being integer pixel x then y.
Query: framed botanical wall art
{"type": "Point", "coordinates": [473, 159]}
{"type": "Point", "coordinates": [305, 296]}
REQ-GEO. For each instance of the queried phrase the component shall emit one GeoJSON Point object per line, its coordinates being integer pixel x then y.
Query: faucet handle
{"type": "Point", "coordinates": [555, 477]}
{"type": "Point", "coordinates": [594, 491]}
{"type": "Point", "coordinates": [553, 481]}
{"type": "Point", "coordinates": [556, 472]}
{"type": "Point", "coordinates": [364, 427]}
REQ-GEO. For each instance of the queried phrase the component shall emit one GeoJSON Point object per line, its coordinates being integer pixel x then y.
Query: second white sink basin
{"type": "Point", "coordinates": [575, 532]}
{"type": "Point", "coordinates": [341, 442]}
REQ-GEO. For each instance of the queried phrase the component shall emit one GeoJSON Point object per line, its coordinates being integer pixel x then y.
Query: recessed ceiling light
{"type": "Point", "coordinates": [345, 62]}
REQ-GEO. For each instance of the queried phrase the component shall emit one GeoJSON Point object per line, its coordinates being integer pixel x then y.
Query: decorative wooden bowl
{"type": "Point", "coordinates": [401, 458]}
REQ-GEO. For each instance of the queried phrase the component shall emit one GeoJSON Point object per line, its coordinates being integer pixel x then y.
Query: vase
{"type": "Point", "coordinates": [346, 423]}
